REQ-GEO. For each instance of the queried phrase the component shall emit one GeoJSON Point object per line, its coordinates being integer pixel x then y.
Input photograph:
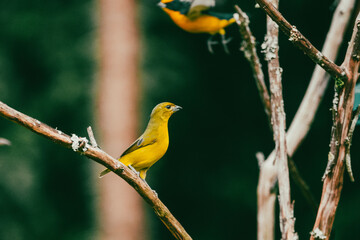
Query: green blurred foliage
{"type": "Point", "coordinates": [46, 71]}
{"type": "Point", "coordinates": [209, 176]}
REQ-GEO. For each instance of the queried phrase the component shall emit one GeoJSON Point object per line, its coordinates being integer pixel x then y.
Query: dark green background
{"type": "Point", "coordinates": [209, 176]}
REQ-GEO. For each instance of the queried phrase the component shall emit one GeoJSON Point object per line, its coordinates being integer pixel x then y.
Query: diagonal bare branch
{"type": "Point", "coordinates": [103, 158]}
{"type": "Point", "coordinates": [300, 41]}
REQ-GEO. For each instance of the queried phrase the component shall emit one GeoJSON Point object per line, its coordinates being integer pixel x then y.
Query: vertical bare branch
{"type": "Point", "coordinates": [270, 48]}
{"type": "Point", "coordinates": [333, 181]}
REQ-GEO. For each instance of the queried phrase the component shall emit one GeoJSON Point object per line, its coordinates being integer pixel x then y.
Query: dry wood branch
{"type": "Point", "coordinates": [270, 48]}
{"type": "Point", "coordinates": [300, 41]}
{"type": "Point", "coordinates": [333, 181]}
{"type": "Point", "coordinates": [92, 137]}
{"type": "Point", "coordinates": [302, 120]}
{"type": "Point", "coordinates": [248, 46]}
{"type": "Point", "coordinates": [319, 80]}
{"type": "Point", "coordinates": [103, 158]}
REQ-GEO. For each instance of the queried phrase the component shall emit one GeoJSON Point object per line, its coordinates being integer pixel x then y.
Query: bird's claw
{"type": "Point", "coordinates": [209, 45]}
{"type": "Point", "coordinates": [224, 42]}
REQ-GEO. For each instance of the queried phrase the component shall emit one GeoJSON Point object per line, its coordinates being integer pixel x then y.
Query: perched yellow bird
{"type": "Point", "coordinates": [194, 16]}
{"type": "Point", "coordinates": [152, 144]}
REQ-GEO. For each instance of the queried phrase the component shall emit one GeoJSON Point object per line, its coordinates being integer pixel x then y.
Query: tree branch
{"type": "Point", "coordinates": [333, 181]}
{"type": "Point", "coordinates": [301, 122]}
{"type": "Point", "coordinates": [103, 158]}
{"type": "Point", "coordinates": [300, 41]}
{"type": "Point", "coordinates": [303, 119]}
{"type": "Point", "coordinates": [270, 48]}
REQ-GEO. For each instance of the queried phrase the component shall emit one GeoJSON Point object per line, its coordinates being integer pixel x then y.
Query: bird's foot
{"type": "Point", "coordinates": [224, 42]}
{"type": "Point", "coordinates": [211, 42]}
{"type": "Point", "coordinates": [134, 170]}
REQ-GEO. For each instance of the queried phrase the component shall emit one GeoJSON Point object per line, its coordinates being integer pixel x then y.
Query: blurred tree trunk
{"type": "Point", "coordinates": [121, 210]}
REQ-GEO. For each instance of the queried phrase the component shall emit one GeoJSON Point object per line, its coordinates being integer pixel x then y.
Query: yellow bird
{"type": "Point", "coordinates": [152, 144]}
{"type": "Point", "coordinates": [196, 16]}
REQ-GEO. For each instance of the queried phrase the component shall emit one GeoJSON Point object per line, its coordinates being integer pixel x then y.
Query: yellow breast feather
{"type": "Point", "coordinates": [152, 144]}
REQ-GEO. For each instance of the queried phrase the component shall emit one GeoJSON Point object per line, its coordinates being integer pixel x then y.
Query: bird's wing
{"type": "Point", "coordinates": [198, 6]}
{"type": "Point", "coordinates": [139, 143]}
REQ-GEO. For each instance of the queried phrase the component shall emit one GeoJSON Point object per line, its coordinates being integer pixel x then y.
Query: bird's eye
{"type": "Point", "coordinates": [168, 106]}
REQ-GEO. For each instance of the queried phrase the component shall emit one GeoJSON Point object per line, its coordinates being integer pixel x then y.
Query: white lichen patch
{"type": "Point", "coordinates": [257, 5]}
{"type": "Point", "coordinates": [237, 19]}
{"type": "Point", "coordinates": [245, 49]}
{"type": "Point", "coordinates": [269, 47]}
{"type": "Point", "coordinates": [294, 34]}
{"type": "Point", "coordinates": [79, 143]}
{"type": "Point", "coordinates": [319, 56]}
{"type": "Point", "coordinates": [317, 234]}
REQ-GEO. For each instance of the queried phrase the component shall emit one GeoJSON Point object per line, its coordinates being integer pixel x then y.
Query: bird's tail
{"type": "Point", "coordinates": [103, 173]}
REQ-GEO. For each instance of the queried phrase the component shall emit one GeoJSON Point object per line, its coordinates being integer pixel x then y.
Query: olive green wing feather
{"type": "Point", "coordinates": [139, 143]}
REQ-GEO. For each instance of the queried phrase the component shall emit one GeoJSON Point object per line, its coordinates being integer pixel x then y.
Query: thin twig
{"type": "Point", "coordinates": [103, 158]}
{"type": "Point", "coordinates": [92, 137]}
{"type": "Point", "coordinates": [333, 181]}
{"type": "Point", "coordinates": [348, 142]}
{"type": "Point", "coordinates": [248, 46]}
{"type": "Point", "coordinates": [304, 188]}
{"type": "Point", "coordinates": [300, 41]}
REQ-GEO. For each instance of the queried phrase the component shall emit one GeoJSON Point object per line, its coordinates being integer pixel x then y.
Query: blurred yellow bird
{"type": "Point", "coordinates": [152, 144]}
{"type": "Point", "coordinates": [196, 16]}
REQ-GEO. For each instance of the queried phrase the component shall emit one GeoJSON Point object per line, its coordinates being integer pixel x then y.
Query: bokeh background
{"type": "Point", "coordinates": [50, 69]}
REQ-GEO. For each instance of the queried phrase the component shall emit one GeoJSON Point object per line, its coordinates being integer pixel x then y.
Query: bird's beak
{"type": "Point", "coordinates": [176, 108]}
{"type": "Point", "coordinates": [161, 4]}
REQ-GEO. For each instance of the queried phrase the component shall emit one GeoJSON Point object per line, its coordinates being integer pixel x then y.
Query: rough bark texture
{"type": "Point", "coordinates": [271, 48]}
{"type": "Point", "coordinates": [342, 110]}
